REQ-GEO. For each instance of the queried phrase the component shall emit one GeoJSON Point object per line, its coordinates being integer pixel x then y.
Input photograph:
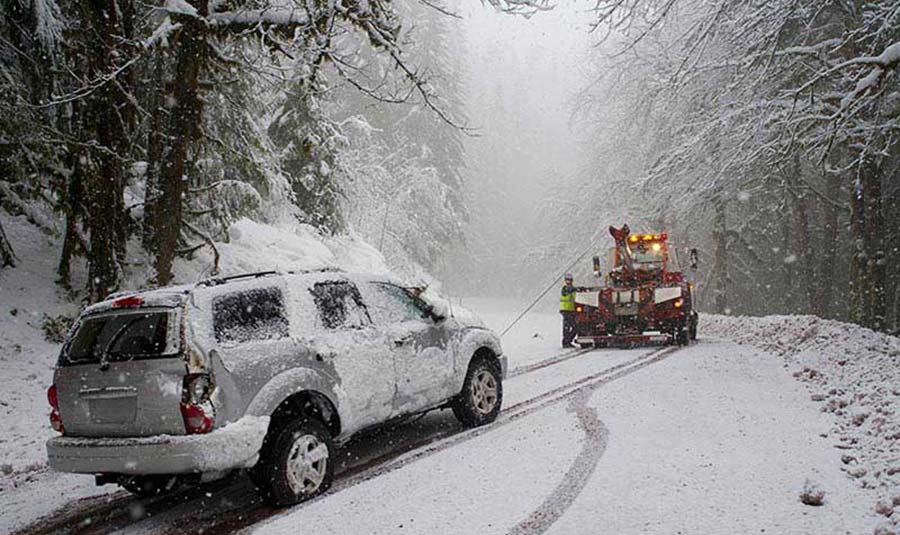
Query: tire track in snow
{"type": "Point", "coordinates": [556, 359]}
{"type": "Point", "coordinates": [577, 392]}
{"type": "Point", "coordinates": [585, 464]}
{"type": "Point", "coordinates": [576, 478]}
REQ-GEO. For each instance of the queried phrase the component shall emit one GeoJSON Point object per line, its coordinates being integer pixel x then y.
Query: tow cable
{"type": "Point", "coordinates": [551, 285]}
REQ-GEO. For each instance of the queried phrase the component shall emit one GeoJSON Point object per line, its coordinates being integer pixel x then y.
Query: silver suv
{"type": "Point", "coordinates": [266, 371]}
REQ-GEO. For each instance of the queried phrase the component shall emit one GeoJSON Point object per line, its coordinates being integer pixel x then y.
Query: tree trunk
{"type": "Point", "coordinates": [874, 290]}
{"type": "Point", "coordinates": [822, 305]}
{"type": "Point", "coordinates": [721, 277]}
{"type": "Point", "coordinates": [7, 256]}
{"type": "Point", "coordinates": [108, 116]}
{"type": "Point", "coordinates": [858, 259]}
{"type": "Point", "coordinates": [804, 259]}
{"type": "Point", "coordinates": [867, 267]}
{"type": "Point", "coordinates": [182, 129]}
{"type": "Point", "coordinates": [156, 143]}
{"type": "Point", "coordinates": [71, 207]}
{"type": "Point", "coordinates": [891, 211]}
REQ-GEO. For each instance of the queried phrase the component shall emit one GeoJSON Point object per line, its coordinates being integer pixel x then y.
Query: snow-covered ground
{"type": "Point", "coordinates": [853, 375]}
{"type": "Point", "coordinates": [720, 437]}
{"type": "Point", "coordinates": [715, 438]}
{"type": "Point", "coordinates": [27, 297]}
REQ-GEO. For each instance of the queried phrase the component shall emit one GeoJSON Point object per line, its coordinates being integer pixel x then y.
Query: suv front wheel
{"type": "Point", "coordinates": [297, 464]}
{"type": "Point", "coordinates": [481, 396]}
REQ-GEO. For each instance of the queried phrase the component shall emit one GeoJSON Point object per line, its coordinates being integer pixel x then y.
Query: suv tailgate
{"type": "Point", "coordinates": [121, 375]}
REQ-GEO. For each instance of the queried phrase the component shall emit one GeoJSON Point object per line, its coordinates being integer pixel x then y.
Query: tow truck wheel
{"type": "Point", "coordinates": [481, 396]}
{"type": "Point", "coordinates": [682, 337]}
{"type": "Point", "coordinates": [297, 465]}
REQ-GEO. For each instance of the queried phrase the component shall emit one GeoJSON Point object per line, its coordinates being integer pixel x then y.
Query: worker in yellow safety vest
{"type": "Point", "coordinates": [567, 309]}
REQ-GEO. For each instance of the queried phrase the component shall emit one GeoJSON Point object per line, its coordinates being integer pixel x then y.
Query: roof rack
{"type": "Point", "coordinates": [216, 281]}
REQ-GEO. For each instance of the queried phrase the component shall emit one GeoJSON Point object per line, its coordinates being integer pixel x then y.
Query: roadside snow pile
{"type": "Point", "coordinates": [854, 373]}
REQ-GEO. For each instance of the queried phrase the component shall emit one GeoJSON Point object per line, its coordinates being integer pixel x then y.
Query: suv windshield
{"type": "Point", "coordinates": [120, 337]}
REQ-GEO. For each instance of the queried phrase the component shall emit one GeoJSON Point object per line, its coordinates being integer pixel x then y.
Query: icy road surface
{"type": "Point", "coordinates": [713, 438]}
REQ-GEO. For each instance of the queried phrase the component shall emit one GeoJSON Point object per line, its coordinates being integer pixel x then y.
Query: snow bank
{"type": "Point", "coordinates": [27, 297]}
{"type": "Point", "coordinates": [854, 373]}
{"type": "Point", "coordinates": [288, 246]}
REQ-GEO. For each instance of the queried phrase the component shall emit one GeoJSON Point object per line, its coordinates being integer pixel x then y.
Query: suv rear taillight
{"type": "Point", "coordinates": [55, 420]}
{"type": "Point", "coordinates": [196, 407]}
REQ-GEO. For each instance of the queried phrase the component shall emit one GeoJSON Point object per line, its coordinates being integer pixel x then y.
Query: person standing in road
{"type": "Point", "coordinates": [567, 309]}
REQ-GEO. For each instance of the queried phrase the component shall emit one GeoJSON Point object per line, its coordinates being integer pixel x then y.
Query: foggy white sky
{"type": "Point", "coordinates": [519, 77]}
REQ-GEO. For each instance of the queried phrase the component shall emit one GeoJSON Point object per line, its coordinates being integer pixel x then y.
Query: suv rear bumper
{"type": "Point", "coordinates": [234, 446]}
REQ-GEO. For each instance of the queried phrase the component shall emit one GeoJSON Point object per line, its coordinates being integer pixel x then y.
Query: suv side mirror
{"type": "Point", "coordinates": [429, 313]}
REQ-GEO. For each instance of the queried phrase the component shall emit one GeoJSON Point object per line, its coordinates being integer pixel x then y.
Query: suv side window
{"type": "Point", "coordinates": [340, 305]}
{"type": "Point", "coordinates": [255, 314]}
{"type": "Point", "coordinates": [391, 304]}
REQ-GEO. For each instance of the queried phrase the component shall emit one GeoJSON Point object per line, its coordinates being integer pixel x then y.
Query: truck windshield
{"type": "Point", "coordinates": [645, 253]}
{"type": "Point", "coordinates": [120, 337]}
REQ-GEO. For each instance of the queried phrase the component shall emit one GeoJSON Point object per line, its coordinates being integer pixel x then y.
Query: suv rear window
{"type": "Point", "coordinates": [255, 314]}
{"type": "Point", "coordinates": [340, 305]}
{"type": "Point", "coordinates": [120, 337]}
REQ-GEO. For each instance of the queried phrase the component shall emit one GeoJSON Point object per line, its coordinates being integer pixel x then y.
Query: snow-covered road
{"type": "Point", "coordinates": [701, 440]}
{"type": "Point", "coordinates": [713, 438]}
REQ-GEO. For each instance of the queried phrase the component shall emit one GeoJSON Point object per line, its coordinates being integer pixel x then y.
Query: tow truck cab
{"type": "Point", "coordinates": [645, 297]}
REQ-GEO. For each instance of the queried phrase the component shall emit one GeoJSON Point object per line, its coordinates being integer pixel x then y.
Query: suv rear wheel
{"type": "Point", "coordinates": [481, 396]}
{"type": "Point", "coordinates": [297, 464]}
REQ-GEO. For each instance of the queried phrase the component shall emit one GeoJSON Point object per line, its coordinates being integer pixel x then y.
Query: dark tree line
{"type": "Point", "coordinates": [161, 123]}
{"type": "Point", "coordinates": [765, 134]}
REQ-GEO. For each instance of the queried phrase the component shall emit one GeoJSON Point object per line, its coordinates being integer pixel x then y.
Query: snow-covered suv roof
{"type": "Point", "coordinates": [174, 296]}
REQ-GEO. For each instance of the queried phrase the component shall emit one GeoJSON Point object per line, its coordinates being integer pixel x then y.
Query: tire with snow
{"type": "Point", "coordinates": [482, 394]}
{"type": "Point", "coordinates": [296, 464]}
{"type": "Point", "coordinates": [682, 336]}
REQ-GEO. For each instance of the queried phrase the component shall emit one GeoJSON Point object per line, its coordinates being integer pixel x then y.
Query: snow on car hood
{"type": "Point", "coordinates": [442, 306]}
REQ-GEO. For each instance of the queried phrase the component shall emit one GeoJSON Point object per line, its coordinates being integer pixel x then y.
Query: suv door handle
{"type": "Point", "coordinates": [108, 392]}
{"type": "Point", "coordinates": [322, 357]}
